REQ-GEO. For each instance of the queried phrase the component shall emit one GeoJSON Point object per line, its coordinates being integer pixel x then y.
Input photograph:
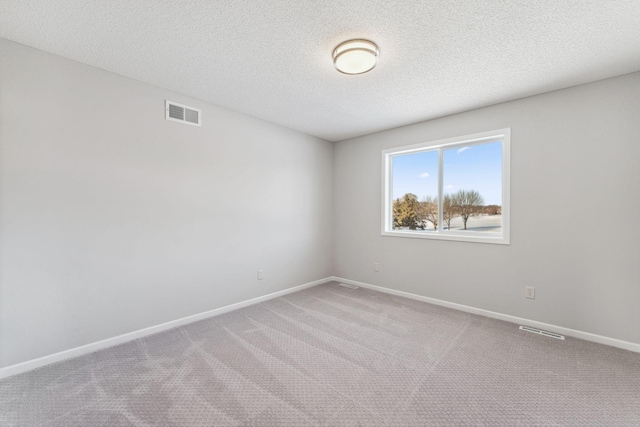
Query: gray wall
{"type": "Point", "coordinates": [113, 219]}
{"type": "Point", "coordinates": [575, 206]}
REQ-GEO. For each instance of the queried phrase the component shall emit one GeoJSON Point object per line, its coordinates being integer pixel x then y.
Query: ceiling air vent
{"type": "Point", "coordinates": [182, 113]}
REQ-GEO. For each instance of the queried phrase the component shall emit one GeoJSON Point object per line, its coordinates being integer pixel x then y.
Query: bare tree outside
{"type": "Point", "coordinates": [428, 211]}
{"type": "Point", "coordinates": [448, 210]}
{"type": "Point", "coordinates": [493, 210]}
{"type": "Point", "coordinates": [410, 213]}
{"type": "Point", "coordinates": [468, 203]}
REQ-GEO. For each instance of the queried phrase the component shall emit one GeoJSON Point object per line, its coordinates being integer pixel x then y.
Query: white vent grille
{"type": "Point", "coordinates": [192, 116]}
{"type": "Point", "coordinates": [182, 113]}
{"type": "Point", "coordinates": [346, 285]}
{"type": "Point", "coordinates": [541, 332]}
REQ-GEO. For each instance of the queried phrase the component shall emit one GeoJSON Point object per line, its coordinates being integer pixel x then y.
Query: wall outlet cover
{"type": "Point", "coordinates": [530, 292]}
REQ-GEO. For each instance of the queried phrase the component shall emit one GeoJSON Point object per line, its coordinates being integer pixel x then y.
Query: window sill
{"type": "Point", "coordinates": [450, 235]}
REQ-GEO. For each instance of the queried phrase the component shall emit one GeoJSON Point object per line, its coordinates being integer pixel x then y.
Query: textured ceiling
{"type": "Point", "coordinates": [272, 59]}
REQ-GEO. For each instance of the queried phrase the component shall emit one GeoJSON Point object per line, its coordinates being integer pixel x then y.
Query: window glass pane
{"type": "Point", "coordinates": [414, 191]}
{"type": "Point", "coordinates": [473, 188]}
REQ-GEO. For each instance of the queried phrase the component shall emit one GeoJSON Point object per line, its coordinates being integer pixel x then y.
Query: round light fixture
{"type": "Point", "coordinates": [355, 56]}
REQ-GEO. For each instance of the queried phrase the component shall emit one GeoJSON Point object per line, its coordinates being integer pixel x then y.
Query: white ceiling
{"type": "Point", "coordinates": [272, 59]}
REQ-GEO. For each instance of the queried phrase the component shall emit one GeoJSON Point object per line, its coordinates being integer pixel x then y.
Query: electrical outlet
{"type": "Point", "coordinates": [530, 292]}
{"type": "Point", "coordinates": [260, 274]}
{"type": "Point", "coordinates": [376, 267]}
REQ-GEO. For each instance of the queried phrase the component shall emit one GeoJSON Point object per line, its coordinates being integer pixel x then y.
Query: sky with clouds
{"type": "Point", "coordinates": [477, 167]}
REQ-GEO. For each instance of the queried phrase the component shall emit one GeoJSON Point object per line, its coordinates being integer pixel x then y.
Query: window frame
{"type": "Point", "coordinates": [503, 135]}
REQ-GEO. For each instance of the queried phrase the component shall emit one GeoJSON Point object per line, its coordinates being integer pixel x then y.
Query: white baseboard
{"type": "Point", "coordinates": [587, 336]}
{"type": "Point", "coordinates": [120, 339]}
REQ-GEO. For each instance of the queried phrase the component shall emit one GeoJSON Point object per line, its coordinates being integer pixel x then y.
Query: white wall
{"type": "Point", "coordinates": [113, 219]}
{"type": "Point", "coordinates": [575, 213]}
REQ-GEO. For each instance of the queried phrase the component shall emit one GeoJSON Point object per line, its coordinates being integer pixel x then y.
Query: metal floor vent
{"type": "Point", "coordinates": [541, 332]}
{"type": "Point", "coordinates": [182, 113]}
{"type": "Point", "coordinates": [346, 285]}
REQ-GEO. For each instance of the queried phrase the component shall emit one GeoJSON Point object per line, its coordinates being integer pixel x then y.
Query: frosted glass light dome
{"type": "Point", "coordinates": [355, 56]}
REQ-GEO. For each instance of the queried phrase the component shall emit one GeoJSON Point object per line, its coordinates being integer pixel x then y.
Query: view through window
{"type": "Point", "coordinates": [456, 190]}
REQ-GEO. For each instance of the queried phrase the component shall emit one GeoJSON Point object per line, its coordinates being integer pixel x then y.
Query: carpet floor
{"type": "Point", "coordinates": [334, 356]}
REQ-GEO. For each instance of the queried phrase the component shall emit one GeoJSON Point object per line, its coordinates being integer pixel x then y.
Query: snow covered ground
{"type": "Point", "coordinates": [482, 223]}
{"type": "Point", "coordinates": [487, 223]}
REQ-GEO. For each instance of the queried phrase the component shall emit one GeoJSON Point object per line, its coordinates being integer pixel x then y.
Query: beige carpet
{"type": "Point", "coordinates": [335, 356]}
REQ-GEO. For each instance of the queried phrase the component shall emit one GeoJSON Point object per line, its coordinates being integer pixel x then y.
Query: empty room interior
{"type": "Point", "coordinates": [334, 213]}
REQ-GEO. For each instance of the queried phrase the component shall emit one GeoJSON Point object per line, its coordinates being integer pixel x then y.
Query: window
{"type": "Point", "coordinates": [454, 189]}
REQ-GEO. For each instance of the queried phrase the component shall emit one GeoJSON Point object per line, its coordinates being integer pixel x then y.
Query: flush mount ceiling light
{"type": "Point", "coordinates": [355, 56]}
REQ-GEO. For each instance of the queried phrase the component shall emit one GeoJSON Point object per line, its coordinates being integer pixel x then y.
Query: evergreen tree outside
{"type": "Point", "coordinates": [405, 212]}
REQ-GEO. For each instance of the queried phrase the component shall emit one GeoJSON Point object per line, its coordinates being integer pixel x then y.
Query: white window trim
{"type": "Point", "coordinates": [503, 135]}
